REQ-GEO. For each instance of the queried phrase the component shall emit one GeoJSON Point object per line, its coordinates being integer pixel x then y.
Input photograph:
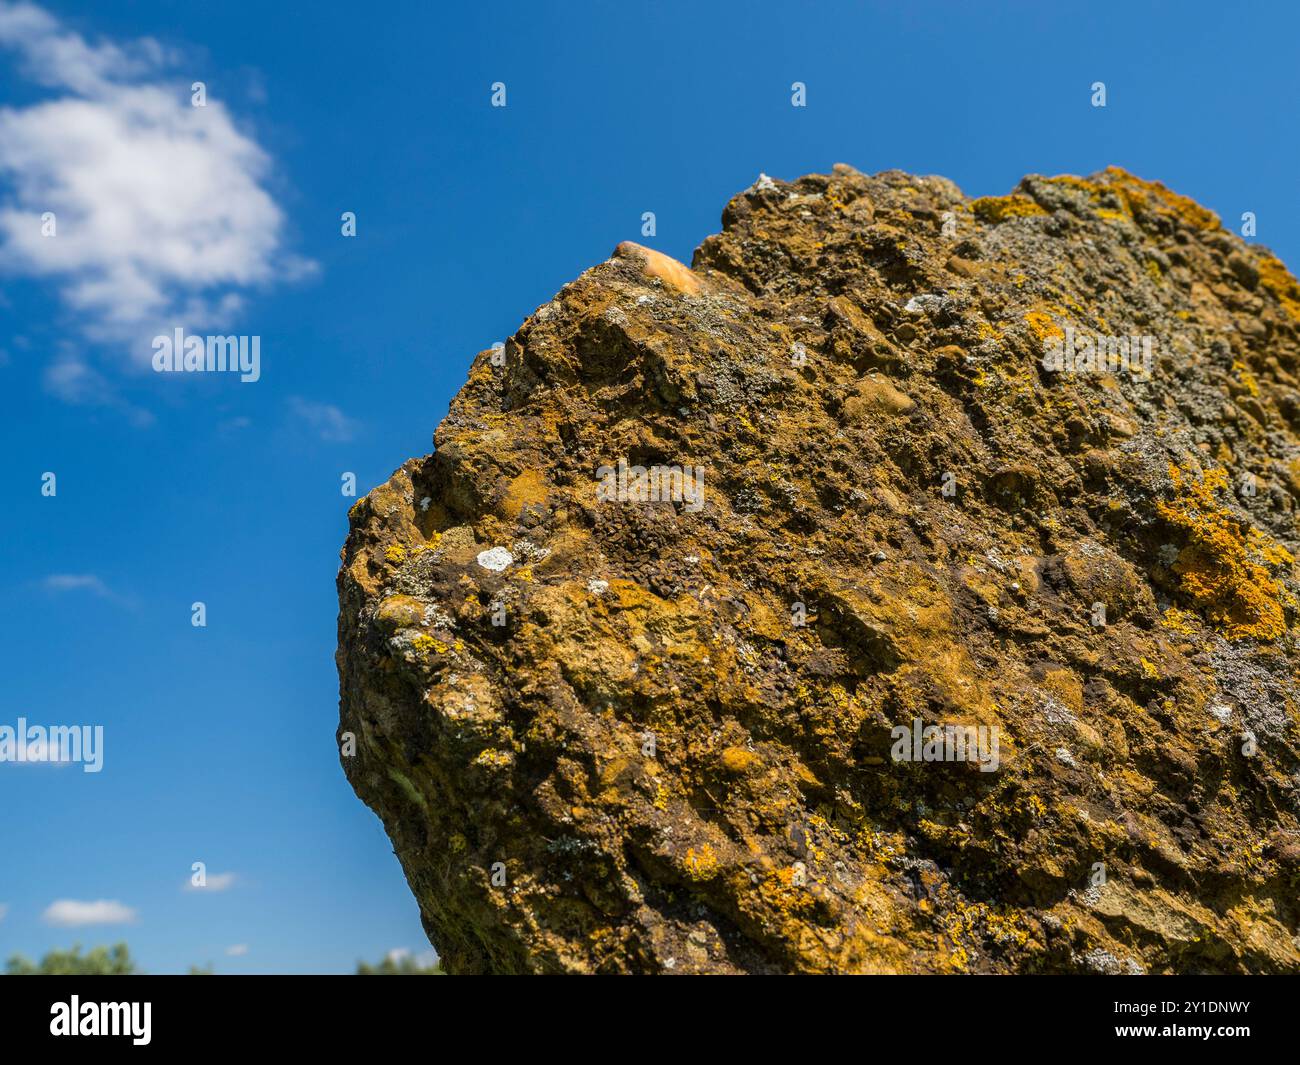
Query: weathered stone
{"type": "Point", "coordinates": [633, 660]}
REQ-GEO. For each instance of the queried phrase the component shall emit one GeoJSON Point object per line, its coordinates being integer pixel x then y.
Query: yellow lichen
{"type": "Point", "coordinates": [1224, 569]}
{"type": "Point", "coordinates": [1152, 196]}
{"type": "Point", "coordinates": [1043, 326]}
{"type": "Point", "coordinates": [1078, 184]}
{"type": "Point", "coordinates": [1180, 621]}
{"type": "Point", "coordinates": [1275, 277]}
{"type": "Point", "coordinates": [1246, 378]}
{"type": "Point", "coordinates": [995, 209]}
{"type": "Point", "coordinates": [1107, 205]}
{"type": "Point", "coordinates": [1033, 806]}
{"type": "Point", "coordinates": [782, 891]}
{"type": "Point", "coordinates": [395, 553]}
{"type": "Point", "coordinates": [702, 864]}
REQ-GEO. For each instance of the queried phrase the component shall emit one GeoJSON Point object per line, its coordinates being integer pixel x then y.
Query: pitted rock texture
{"type": "Point", "coordinates": [596, 730]}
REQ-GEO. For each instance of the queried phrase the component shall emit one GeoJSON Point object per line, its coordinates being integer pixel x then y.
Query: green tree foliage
{"type": "Point", "coordinates": [102, 961]}
{"type": "Point", "coordinates": [405, 965]}
{"type": "Point", "coordinates": [117, 961]}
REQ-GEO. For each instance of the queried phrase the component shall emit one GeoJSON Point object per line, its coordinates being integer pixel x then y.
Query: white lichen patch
{"type": "Point", "coordinates": [495, 559]}
{"type": "Point", "coordinates": [923, 303]}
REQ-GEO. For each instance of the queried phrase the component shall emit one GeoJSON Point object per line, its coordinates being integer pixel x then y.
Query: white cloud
{"type": "Point", "coordinates": [161, 211]}
{"type": "Point", "coordinates": [237, 951]}
{"type": "Point", "coordinates": [83, 583]}
{"type": "Point", "coordinates": [76, 582]}
{"type": "Point", "coordinates": [214, 882]}
{"type": "Point", "coordinates": [70, 913]}
{"type": "Point", "coordinates": [55, 58]}
{"type": "Point", "coordinates": [73, 381]}
{"type": "Point", "coordinates": [324, 419]}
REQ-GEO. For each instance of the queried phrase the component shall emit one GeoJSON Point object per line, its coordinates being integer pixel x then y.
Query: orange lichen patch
{"type": "Point", "coordinates": [1275, 277]}
{"type": "Point", "coordinates": [995, 209]}
{"type": "Point", "coordinates": [1152, 196]}
{"type": "Point", "coordinates": [783, 892]}
{"type": "Point", "coordinates": [1224, 567]}
{"type": "Point", "coordinates": [738, 760]}
{"type": "Point", "coordinates": [701, 864]}
{"type": "Point", "coordinates": [1043, 325]}
{"type": "Point", "coordinates": [657, 264]}
{"type": "Point", "coordinates": [528, 489]}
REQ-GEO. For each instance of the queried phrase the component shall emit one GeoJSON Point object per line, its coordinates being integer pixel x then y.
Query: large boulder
{"type": "Point", "coordinates": [906, 586]}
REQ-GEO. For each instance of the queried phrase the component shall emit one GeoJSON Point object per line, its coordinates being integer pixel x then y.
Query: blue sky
{"type": "Point", "coordinates": [171, 488]}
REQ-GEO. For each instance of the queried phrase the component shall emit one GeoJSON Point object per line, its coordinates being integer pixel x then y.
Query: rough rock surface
{"type": "Point", "coordinates": [602, 741]}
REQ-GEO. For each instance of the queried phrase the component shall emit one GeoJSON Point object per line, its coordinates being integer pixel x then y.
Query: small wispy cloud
{"type": "Point", "coordinates": [4, 909]}
{"type": "Point", "coordinates": [73, 913]}
{"type": "Point", "coordinates": [74, 381]}
{"type": "Point", "coordinates": [81, 584]}
{"type": "Point", "coordinates": [76, 582]}
{"type": "Point", "coordinates": [213, 882]}
{"type": "Point", "coordinates": [324, 419]}
{"type": "Point", "coordinates": [238, 950]}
